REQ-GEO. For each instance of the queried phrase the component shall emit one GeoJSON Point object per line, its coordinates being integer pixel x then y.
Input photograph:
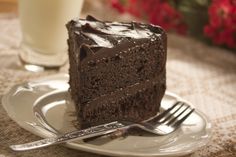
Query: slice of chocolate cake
{"type": "Point", "coordinates": [117, 70]}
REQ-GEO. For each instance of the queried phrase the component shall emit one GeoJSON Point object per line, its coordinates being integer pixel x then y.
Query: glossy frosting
{"type": "Point", "coordinates": [117, 70]}
{"type": "Point", "coordinates": [110, 34]}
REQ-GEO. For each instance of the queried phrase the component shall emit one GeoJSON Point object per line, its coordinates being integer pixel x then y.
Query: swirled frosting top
{"type": "Point", "coordinates": [110, 34]}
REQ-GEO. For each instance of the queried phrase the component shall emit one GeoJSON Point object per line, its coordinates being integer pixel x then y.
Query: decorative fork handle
{"type": "Point", "coordinates": [75, 135]}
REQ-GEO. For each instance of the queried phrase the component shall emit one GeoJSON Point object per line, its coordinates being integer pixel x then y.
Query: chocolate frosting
{"type": "Point", "coordinates": [117, 70]}
{"type": "Point", "coordinates": [110, 34]}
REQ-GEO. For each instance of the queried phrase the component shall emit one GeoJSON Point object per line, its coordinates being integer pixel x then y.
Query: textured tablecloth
{"type": "Point", "coordinates": [205, 76]}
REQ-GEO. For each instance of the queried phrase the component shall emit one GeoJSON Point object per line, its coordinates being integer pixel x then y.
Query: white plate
{"type": "Point", "coordinates": [43, 108]}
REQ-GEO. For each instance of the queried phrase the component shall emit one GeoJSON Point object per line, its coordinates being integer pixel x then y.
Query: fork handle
{"type": "Point", "coordinates": [75, 135]}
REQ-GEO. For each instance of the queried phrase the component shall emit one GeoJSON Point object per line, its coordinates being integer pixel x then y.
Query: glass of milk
{"type": "Point", "coordinates": [44, 35]}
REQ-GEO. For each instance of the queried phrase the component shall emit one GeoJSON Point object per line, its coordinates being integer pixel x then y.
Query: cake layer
{"type": "Point", "coordinates": [134, 103]}
{"type": "Point", "coordinates": [138, 63]}
{"type": "Point", "coordinates": [138, 52]}
{"type": "Point", "coordinates": [117, 70]}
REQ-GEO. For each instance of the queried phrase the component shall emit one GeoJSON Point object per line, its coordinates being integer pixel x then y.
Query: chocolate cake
{"type": "Point", "coordinates": [117, 70]}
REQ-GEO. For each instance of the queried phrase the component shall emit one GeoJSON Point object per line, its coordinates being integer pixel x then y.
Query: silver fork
{"type": "Point", "coordinates": [162, 124]}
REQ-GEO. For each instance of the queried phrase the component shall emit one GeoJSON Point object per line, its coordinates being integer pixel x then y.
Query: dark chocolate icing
{"type": "Point", "coordinates": [110, 34]}
{"type": "Point", "coordinates": [117, 70]}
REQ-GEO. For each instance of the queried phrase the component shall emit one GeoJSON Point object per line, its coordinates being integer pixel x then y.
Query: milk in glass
{"type": "Point", "coordinates": [44, 35]}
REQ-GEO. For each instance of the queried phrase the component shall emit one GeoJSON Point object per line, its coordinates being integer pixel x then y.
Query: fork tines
{"type": "Point", "coordinates": [179, 113]}
{"type": "Point", "coordinates": [174, 115]}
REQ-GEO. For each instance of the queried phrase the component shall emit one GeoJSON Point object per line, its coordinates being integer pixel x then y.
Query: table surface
{"type": "Point", "coordinates": [204, 75]}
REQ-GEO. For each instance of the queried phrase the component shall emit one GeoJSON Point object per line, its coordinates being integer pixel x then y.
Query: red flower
{"type": "Point", "coordinates": [167, 17]}
{"type": "Point", "coordinates": [155, 11]}
{"type": "Point", "coordinates": [118, 6]}
{"type": "Point", "coordinates": [222, 23]}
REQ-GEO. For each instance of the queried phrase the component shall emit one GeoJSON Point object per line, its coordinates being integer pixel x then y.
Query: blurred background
{"type": "Point", "coordinates": [201, 64]}
{"type": "Point", "coordinates": [211, 21]}
{"type": "Point", "coordinates": [8, 6]}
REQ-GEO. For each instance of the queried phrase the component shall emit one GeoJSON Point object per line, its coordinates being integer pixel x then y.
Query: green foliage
{"type": "Point", "coordinates": [123, 2]}
{"type": "Point", "coordinates": [195, 15]}
{"type": "Point", "coordinates": [194, 4]}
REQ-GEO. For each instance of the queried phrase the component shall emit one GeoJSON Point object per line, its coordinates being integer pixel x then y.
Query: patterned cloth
{"type": "Point", "coordinates": [203, 75]}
